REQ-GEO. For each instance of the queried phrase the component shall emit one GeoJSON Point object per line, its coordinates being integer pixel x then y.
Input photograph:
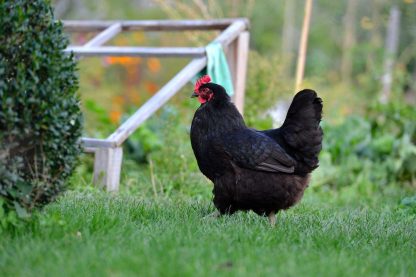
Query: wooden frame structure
{"type": "Point", "coordinates": [234, 38]}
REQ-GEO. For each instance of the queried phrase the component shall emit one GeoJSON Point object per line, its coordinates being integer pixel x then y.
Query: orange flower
{"type": "Point", "coordinates": [115, 116]}
{"type": "Point", "coordinates": [153, 64]}
{"type": "Point", "coordinates": [151, 87]}
{"type": "Point", "coordinates": [123, 60]}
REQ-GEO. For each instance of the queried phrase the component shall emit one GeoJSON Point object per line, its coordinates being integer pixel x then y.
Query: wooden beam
{"type": "Point", "coordinates": [104, 36]}
{"type": "Point", "coordinates": [151, 25]}
{"type": "Point", "coordinates": [81, 51]}
{"type": "Point", "coordinates": [241, 58]}
{"type": "Point", "coordinates": [303, 45]}
{"type": "Point", "coordinates": [97, 143]}
{"type": "Point", "coordinates": [107, 167]}
{"type": "Point", "coordinates": [158, 100]}
{"type": "Point", "coordinates": [231, 33]}
{"type": "Point", "coordinates": [230, 52]}
{"type": "Point", "coordinates": [90, 150]}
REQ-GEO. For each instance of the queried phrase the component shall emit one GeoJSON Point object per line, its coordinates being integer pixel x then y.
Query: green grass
{"type": "Point", "coordinates": [96, 234]}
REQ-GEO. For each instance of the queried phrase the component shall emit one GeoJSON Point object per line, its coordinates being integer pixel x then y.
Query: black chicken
{"type": "Point", "coordinates": [263, 171]}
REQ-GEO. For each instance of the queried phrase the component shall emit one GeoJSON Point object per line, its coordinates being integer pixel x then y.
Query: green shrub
{"type": "Point", "coordinates": [40, 118]}
{"type": "Point", "coordinates": [370, 152]}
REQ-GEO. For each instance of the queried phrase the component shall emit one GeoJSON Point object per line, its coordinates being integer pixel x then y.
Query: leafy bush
{"type": "Point", "coordinates": [40, 118]}
{"type": "Point", "coordinates": [372, 151]}
{"type": "Point", "coordinates": [142, 142]}
{"type": "Point", "coordinates": [409, 203]}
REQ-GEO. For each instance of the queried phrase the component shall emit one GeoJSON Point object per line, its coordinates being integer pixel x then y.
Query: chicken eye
{"type": "Point", "coordinates": [205, 90]}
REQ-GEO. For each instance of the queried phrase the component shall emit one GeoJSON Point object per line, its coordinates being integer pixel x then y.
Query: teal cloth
{"type": "Point", "coordinates": [217, 67]}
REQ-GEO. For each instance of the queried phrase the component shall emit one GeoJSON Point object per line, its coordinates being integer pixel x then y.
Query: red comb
{"type": "Point", "coordinates": [203, 80]}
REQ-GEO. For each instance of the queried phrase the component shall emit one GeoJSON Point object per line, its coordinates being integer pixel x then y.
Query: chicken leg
{"type": "Point", "coordinates": [272, 218]}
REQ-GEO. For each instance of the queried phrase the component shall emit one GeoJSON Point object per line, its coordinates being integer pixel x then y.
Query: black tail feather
{"type": "Point", "coordinates": [301, 130]}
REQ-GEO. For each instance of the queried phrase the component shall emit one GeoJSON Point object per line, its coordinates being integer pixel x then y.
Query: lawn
{"type": "Point", "coordinates": [90, 233]}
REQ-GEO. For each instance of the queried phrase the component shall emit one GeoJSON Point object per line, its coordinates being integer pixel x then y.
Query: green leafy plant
{"type": "Point", "coordinates": [142, 142]}
{"type": "Point", "coordinates": [370, 152]}
{"type": "Point", "coordinates": [409, 204]}
{"type": "Point", "coordinates": [40, 118]}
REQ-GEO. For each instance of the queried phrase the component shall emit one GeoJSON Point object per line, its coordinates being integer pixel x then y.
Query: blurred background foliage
{"type": "Point", "coordinates": [369, 147]}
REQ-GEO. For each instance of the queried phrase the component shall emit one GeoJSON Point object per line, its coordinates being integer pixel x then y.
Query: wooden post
{"type": "Point", "coordinates": [230, 53]}
{"type": "Point", "coordinates": [107, 167]}
{"type": "Point", "coordinates": [303, 45]}
{"type": "Point", "coordinates": [238, 56]}
{"type": "Point", "coordinates": [392, 42]}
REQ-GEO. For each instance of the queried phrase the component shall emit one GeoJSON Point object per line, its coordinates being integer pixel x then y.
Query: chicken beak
{"type": "Point", "coordinates": [194, 95]}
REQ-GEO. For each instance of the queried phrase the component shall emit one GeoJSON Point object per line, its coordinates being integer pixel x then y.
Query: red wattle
{"type": "Point", "coordinates": [201, 100]}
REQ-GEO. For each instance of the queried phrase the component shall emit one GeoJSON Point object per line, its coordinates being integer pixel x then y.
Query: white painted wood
{"type": "Point", "coordinates": [151, 25]}
{"type": "Point", "coordinates": [231, 33]}
{"type": "Point", "coordinates": [230, 52]}
{"type": "Point", "coordinates": [241, 58]}
{"type": "Point", "coordinates": [89, 149]}
{"type": "Point", "coordinates": [158, 100]}
{"type": "Point", "coordinates": [81, 51]}
{"type": "Point", "coordinates": [107, 167]}
{"type": "Point", "coordinates": [104, 36]}
{"type": "Point", "coordinates": [97, 143]}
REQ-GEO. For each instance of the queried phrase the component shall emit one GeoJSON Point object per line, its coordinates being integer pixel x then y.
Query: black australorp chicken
{"type": "Point", "coordinates": [263, 171]}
